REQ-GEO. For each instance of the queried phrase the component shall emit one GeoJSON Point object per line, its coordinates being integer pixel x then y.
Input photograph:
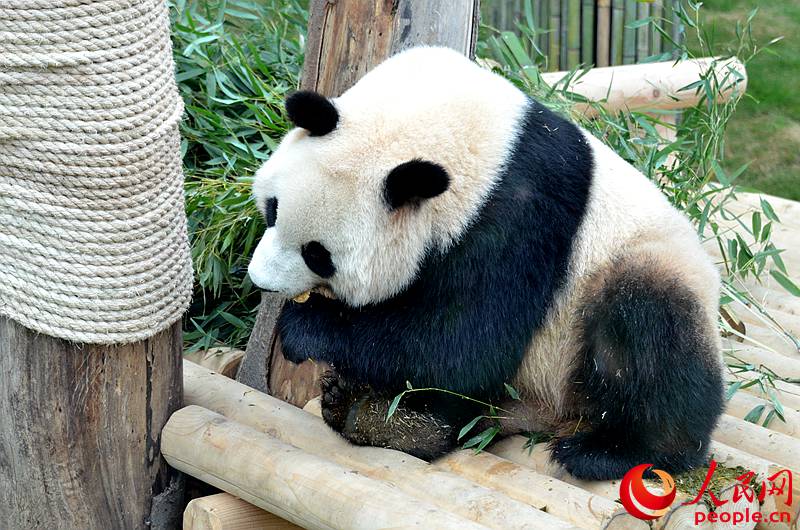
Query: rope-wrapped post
{"type": "Point", "coordinates": [94, 264]}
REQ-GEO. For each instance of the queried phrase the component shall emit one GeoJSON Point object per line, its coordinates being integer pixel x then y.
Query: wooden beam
{"type": "Point", "coordinates": [651, 86]}
{"type": "Point", "coordinates": [345, 40]}
{"type": "Point", "coordinates": [223, 511]}
{"type": "Point", "coordinates": [305, 489]}
{"type": "Point", "coordinates": [80, 430]}
{"type": "Point", "coordinates": [408, 474]}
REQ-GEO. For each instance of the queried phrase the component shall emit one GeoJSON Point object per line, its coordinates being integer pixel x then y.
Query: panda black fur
{"type": "Point", "coordinates": [474, 238]}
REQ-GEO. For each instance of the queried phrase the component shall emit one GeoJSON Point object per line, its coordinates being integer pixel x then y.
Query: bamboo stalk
{"type": "Point", "coordinates": [574, 33]}
{"type": "Point", "coordinates": [304, 489]}
{"type": "Point", "coordinates": [603, 32]}
{"type": "Point", "coordinates": [666, 24]}
{"type": "Point", "coordinates": [554, 53]}
{"type": "Point", "coordinates": [617, 30]}
{"type": "Point", "coordinates": [655, 37]}
{"type": "Point", "coordinates": [563, 61]}
{"type": "Point", "coordinates": [629, 34]}
{"type": "Point", "coordinates": [544, 24]}
{"type": "Point", "coordinates": [587, 32]}
{"type": "Point", "coordinates": [677, 33]}
{"type": "Point", "coordinates": [642, 32]}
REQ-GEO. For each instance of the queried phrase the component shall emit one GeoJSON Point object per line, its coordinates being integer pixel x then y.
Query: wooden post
{"type": "Point", "coordinates": [80, 431]}
{"type": "Point", "coordinates": [345, 40]}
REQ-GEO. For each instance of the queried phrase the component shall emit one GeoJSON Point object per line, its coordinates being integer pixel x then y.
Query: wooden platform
{"type": "Point", "coordinates": [285, 460]}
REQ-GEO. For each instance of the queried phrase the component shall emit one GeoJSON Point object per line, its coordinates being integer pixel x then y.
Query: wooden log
{"type": "Point", "coordinates": [565, 501]}
{"type": "Point", "coordinates": [80, 431]}
{"type": "Point", "coordinates": [587, 33]}
{"type": "Point", "coordinates": [538, 458]}
{"type": "Point", "coordinates": [305, 489]}
{"type": "Point", "coordinates": [788, 393]}
{"type": "Point", "coordinates": [346, 40]}
{"type": "Point", "coordinates": [223, 511]}
{"type": "Point", "coordinates": [735, 506]}
{"type": "Point", "coordinates": [225, 361]}
{"type": "Point", "coordinates": [742, 402]}
{"type": "Point", "coordinates": [758, 441]}
{"type": "Point", "coordinates": [411, 475]}
{"type": "Point", "coordinates": [603, 41]}
{"type": "Point", "coordinates": [648, 86]}
{"type": "Point", "coordinates": [782, 365]}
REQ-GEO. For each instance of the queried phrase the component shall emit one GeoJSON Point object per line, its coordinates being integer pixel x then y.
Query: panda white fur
{"type": "Point", "coordinates": [473, 238]}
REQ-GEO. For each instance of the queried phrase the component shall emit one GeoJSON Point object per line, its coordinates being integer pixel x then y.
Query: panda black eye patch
{"type": "Point", "coordinates": [318, 259]}
{"type": "Point", "coordinates": [271, 211]}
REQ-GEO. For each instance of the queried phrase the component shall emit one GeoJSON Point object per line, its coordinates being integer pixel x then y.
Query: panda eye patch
{"type": "Point", "coordinates": [318, 259]}
{"type": "Point", "coordinates": [271, 211]}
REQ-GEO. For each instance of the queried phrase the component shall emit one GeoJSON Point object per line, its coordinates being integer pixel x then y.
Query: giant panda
{"type": "Point", "coordinates": [455, 234]}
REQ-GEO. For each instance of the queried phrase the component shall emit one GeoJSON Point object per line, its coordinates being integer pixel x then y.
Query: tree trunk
{"type": "Point", "coordinates": [80, 431]}
{"type": "Point", "coordinates": [346, 39]}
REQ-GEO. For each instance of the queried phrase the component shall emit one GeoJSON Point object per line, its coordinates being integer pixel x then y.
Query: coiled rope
{"type": "Point", "coordinates": [93, 244]}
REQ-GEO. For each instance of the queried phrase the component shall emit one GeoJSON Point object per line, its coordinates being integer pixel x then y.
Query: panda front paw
{"type": "Point", "coordinates": [339, 396]}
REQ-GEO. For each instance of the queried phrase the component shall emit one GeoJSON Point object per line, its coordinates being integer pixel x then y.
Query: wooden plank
{"type": "Point", "coordinates": [345, 41]}
{"type": "Point", "coordinates": [309, 433]}
{"type": "Point", "coordinates": [79, 430]}
{"type": "Point", "coordinates": [304, 489]}
{"type": "Point", "coordinates": [223, 511]}
{"type": "Point", "coordinates": [603, 41]}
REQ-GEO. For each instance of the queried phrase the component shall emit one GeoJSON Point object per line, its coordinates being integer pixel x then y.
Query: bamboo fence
{"type": "Point", "coordinates": [590, 32]}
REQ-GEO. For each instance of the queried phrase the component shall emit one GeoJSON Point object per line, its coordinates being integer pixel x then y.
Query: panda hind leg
{"type": "Point", "coordinates": [421, 425]}
{"type": "Point", "coordinates": [647, 386]}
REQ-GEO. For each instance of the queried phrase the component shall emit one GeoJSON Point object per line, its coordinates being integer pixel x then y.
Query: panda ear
{"type": "Point", "coordinates": [312, 111]}
{"type": "Point", "coordinates": [414, 181]}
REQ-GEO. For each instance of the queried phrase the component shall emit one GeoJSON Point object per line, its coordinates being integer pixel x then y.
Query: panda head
{"type": "Point", "coordinates": [368, 184]}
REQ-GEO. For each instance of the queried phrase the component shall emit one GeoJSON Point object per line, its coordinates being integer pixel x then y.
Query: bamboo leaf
{"type": "Point", "coordinates": [785, 282]}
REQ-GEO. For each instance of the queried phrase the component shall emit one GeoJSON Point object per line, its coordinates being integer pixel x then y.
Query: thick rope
{"type": "Point", "coordinates": [93, 243]}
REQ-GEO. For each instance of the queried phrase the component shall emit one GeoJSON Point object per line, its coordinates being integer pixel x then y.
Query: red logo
{"type": "Point", "coordinates": [639, 501]}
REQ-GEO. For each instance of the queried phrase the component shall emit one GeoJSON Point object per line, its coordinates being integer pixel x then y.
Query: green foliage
{"type": "Point", "coordinates": [766, 128]}
{"type": "Point", "coordinates": [235, 61]}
